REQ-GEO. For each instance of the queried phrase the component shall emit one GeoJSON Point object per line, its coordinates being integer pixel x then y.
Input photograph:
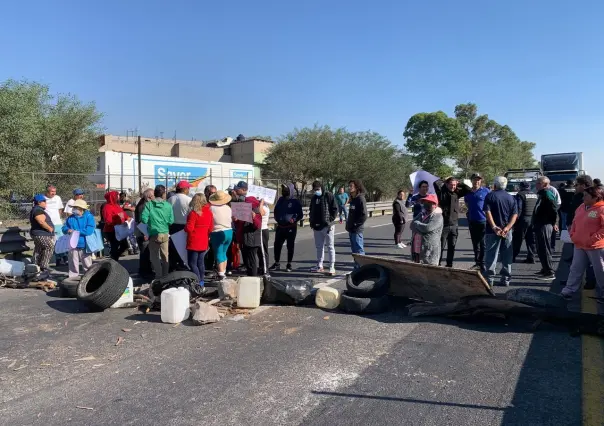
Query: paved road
{"type": "Point", "coordinates": [284, 365]}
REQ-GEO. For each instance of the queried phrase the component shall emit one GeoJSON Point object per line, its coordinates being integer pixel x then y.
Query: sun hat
{"type": "Point", "coordinates": [81, 204]}
{"type": "Point", "coordinates": [220, 198]}
{"type": "Point", "coordinates": [430, 198]}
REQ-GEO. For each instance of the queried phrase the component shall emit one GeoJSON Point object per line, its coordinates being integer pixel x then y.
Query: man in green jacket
{"type": "Point", "coordinates": [158, 215]}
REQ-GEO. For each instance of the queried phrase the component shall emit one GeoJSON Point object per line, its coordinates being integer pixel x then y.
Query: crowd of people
{"type": "Point", "coordinates": [500, 222]}
{"type": "Point", "coordinates": [219, 243]}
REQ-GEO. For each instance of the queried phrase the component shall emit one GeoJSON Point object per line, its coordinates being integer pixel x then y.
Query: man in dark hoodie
{"type": "Point", "coordinates": [448, 193]}
{"type": "Point", "coordinates": [323, 212]}
{"type": "Point", "coordinates": [357, 215]}
{"type": "Point", "coordinates": [249, 235]}
{"type": "Point", "coordinates": [288, 212]}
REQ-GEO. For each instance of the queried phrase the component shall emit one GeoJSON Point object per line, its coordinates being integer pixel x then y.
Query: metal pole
{"type": "Point", "coordinates": [108, 178]}
{"type": "Point", "coordinates": [140, 176]}
{"type": "Point", "coordinates": [33, 184]}
{"type": "Point", "coordinates": [211, 177]}
{"type": "Point", "coordinates": [167, 171]}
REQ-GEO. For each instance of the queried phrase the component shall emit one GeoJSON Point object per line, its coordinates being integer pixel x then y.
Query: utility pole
{"type": "Point", "coordinates": [140, 172]}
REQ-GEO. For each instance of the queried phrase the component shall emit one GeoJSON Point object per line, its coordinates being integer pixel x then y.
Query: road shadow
{"type": "Point", "coordinates": [151, 317]}
{"type": "Point", "coordinates": [71, 306]}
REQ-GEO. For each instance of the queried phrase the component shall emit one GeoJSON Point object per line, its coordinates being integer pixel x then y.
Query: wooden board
{"type": "Point", "coordinates": [427, 282]}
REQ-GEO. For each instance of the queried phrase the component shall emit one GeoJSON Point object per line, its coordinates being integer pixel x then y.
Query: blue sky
{"type": "Point", "coordinates": [208, 70]}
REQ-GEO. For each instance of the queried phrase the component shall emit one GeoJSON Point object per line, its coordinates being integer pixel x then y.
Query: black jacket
{"type": "Point", "coordinates": [318, 218]}
{"type": "Point", "coordinates": [546, 210]}
{"type": "Point", "coordinates": [357, 214]}
{"type": "Point", "coordinates": [448, 201]}
{"type": "Point", "coordinates": [567, 195]}
{"type": "Point", "coordinates": [574, 205]}
{"type": "Point", "coordinates": [526, 201]}
{"type": "Point", "coordinates": [399, 211]}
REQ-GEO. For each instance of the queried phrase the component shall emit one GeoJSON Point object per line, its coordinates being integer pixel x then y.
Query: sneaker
{"type": "Point", "coordinates": [549, 276]}
{"type": "Point", "coordinates": [529, 261]}
{"type": "Point", "coordinates": [541, 272]}
{"type": "Point", "coordinates": [229, 273]}
{"type": "Point", "coordinates": [276, 267]}
{"type": "Point", "coordinates": [317, 269]}
{"type": "Point", "coordinates": [403, 245]}
{"type": "Point", "coordinates": [476, 267]}
{"type": "Point", "coordinates": [288, 268]}
{"type": "Point", "coordinates": [332, 271]}
{"type": "Point", "coordinates": [340, 221]}
{"type": "Point", "coordinates": [504, 283]}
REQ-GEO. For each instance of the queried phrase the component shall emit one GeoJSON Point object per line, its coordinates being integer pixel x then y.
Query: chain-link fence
{"type": "Point", "coordinates": [16, 203]}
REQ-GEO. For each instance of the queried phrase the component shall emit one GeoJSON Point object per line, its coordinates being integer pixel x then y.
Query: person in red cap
{"type": "Point", "coordinates": [180, 205]}
{"type": "Point", "coordinates": [427, 228]}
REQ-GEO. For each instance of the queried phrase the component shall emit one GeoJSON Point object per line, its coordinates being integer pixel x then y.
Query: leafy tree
{"type": "Point", "coordinates": [42, 134]}
{"type": "Point", "coordinates": [432, 138]}
{"type": "Point", "coordinates": [335, 157]}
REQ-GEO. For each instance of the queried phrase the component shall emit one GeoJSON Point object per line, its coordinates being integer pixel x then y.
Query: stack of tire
{"type": "Point", "coordinates": [366, 291]}
{"type": "Point", "coordinates": [102, 285]}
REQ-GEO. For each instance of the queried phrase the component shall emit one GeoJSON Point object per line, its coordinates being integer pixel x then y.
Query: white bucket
{"type": "Point", "coordinates": [127, 296]}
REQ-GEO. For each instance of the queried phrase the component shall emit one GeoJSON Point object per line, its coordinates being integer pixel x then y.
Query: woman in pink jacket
{"type": "Point", "coordinates": [587, 234]}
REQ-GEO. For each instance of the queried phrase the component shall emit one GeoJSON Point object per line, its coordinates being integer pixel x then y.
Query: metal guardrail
{"type": "Point", "coordinates": [16, 240]}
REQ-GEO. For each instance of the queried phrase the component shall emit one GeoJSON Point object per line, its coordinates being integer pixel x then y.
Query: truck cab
{"type": "Point", "coordinates": [516, 176]}
{"type": "Point", "coordinates": [562, 167]}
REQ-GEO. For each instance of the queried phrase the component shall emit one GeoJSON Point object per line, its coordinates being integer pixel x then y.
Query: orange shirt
{"type": "Point", "coordinates": [587, 230]}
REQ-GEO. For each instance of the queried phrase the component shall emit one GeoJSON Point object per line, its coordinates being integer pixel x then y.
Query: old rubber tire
{"type": "Point", "coordinates": [103, 284]}
{"type": "Point", "coordinates": [158, 285]}
{"type": "Point", "coordinates": [537, 298]}
{"type": "Point", "coordinates": [69, 287]}
{"type": "Point", "coordinates": [368, 281]}
{"type": "Point", "coordinates": [364, 305]}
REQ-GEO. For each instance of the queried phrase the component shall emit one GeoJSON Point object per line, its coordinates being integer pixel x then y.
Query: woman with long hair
{"type": "Point", "coordinates": [587, 234]}
{"type": "Point", "coordinates": [222, 233]}
{"type": "Point", "coordinates": [200, 222]}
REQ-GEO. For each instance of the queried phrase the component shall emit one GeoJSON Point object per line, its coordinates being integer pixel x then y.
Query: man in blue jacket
{"type": "Point", "coordinates": [288, 212]}
{"type": "Point", "coordinates": [477, 219]}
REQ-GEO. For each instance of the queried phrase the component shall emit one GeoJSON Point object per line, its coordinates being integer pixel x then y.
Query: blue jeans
{"type": "Point", "coordinates": [197, 264]}
{"type": "Point", "coordinates": [563, 226]}
{"type": "Point", "coordinates": [356, 244]}
{"type": "Point", "coordinates": [493, 244]}
{"type": "Point", "coordinates": [343, 210]}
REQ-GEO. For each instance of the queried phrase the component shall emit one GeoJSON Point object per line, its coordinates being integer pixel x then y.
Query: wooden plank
{"type": "Point", "coordinates": [427, 282]}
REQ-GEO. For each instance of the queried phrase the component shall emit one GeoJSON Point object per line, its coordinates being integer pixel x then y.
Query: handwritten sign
{"type": "Point", "coordinates": [262, 193]}
{"type": "Point", "coordinates": [242, 211]}
{"type": "Point", "coordinates": [420, 175]}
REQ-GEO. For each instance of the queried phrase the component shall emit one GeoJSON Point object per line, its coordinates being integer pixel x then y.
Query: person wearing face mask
{"type": "Point", "coordinates": [81, 220]}
{"type": "Point", "coordinates": [322, 215]}
{"type": "Point", "coordinates": [288, 212]}
{"type": "Point", "coordinates": [427, 228]}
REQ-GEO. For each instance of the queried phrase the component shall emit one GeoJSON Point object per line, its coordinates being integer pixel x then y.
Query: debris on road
{"type": "Point", "coordinates": [120, 339]}
{"type": "Point", "coordinates": [104, 284]}
{"type": "Point", "coordinates": [87, 358]}
{"type": "Point", "coordinates": [204, 313]}
{"type": "Point", "coordinates": [327, 298]}
{"type": "Point", "coordinates": [84, 408]}
{"type": "Point", "coordinates": [126, 330]}
{"type": "Point", "coordinates": [227, 289]}
{"type": "Point", "coordinates": [237, 317]}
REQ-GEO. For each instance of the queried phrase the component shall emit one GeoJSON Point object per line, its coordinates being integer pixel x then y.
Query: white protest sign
{"type": "Point", "coordinates": [242, 211]}
{"type": "Point", "coordinates": [67, 242]}
{"type": "Point", "coordinates": [420, 175]}
{"type": "Point", "coordinates": [124, 230]}
{"type": "Point", "coordinates": [179, 240]}
{"type": "Point", "coordinates": [262, 193]}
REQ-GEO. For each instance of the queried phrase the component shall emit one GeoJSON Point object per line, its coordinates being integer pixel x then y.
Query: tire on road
{"type": "Point", "coordinates": [103, 284]}
{"type": "Point", "coordinates": [364, 305]}
{"type": "Point", "coordinates": [174, 279]}
{"type": "Point", "coordinates": [69, 287]}
{"type": "Point", "coordinates": [368, 281]}
{"type": "Point", "coordinates": [537, 298]}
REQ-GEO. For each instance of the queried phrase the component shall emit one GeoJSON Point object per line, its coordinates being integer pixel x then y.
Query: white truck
{"type": "Point", "coordinates": [516, 176]}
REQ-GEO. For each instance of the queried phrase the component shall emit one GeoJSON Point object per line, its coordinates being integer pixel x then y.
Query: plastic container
{"type": "Point", "coordinates": [327, 298]}
{"type": "Point", "coordinates": [11, 268]}
{"type": "Point", "coordinates": [127, 297]}
{"type": "Point", "coordinates": [249, 291]}
{"type": "Point", "coordinates": [175, 305]}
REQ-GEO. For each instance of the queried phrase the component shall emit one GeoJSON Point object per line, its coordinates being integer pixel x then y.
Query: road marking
{"type": "Point", "coordinates": [383, 224]}
{"type": "Point", "coordinates": [593, 368]}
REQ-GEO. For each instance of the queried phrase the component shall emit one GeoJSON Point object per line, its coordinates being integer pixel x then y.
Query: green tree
{"type": "Point", "coordinates": [432, 139]}
{"type": "Point", "coordinates": [42, 134]}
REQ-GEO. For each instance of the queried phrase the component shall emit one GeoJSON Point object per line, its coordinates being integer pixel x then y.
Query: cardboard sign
{"type": "Point", "coordinates": [262, 193]}
{"type": "Point", "coordinates": [242, 211]}
{"type": "Point", "coordinates": [179, 240]}
{"type": "Point", "coordinates": [417, 177]}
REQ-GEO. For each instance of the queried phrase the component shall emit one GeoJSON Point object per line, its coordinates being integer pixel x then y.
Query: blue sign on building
{"type": "Point", "coordinates": [175, 174]}
{"type": "Point", "coordinates": [240, 174]}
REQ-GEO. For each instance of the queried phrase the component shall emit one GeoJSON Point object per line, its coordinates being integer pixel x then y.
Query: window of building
{"type": "Point", "coordinates": [98, 164]}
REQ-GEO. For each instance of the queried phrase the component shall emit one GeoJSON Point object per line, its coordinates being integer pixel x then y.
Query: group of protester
{"type": "Point", "coordinates": [499, 223]}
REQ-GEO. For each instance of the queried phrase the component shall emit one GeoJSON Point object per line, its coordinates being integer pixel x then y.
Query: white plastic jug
{"type": "Point", "coordinates": [327, 298]}
{"type": "Point", "coordinates": [248, 292]}
{"type": "Point", "coordinates": [11, 268]}
{"type": "Point", "coordinates": [174, 305]}
{"type": "Point", "coordinates": [127, 297]}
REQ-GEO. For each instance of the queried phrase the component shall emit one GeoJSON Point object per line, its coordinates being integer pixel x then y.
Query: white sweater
{"type": "Point", "coordinates": [222, 218]}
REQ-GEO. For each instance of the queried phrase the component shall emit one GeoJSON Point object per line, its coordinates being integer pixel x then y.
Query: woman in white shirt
{"type": "Point", "coordinates": [222, 234]}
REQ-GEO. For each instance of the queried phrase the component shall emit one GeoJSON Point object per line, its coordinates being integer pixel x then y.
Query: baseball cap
{"type": "Point", "coordinates": [78, 191]}
{"type": "Point", "coordinates": [38, 198]}
{"type": "Point", "coordinates": [476, 176]}
{"type": "Point", "coordinates": [430, 198]}
{"type": "Point", "coordinates": [241, 185]}
{"type": "Point", "coordinates": [183, 184]}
